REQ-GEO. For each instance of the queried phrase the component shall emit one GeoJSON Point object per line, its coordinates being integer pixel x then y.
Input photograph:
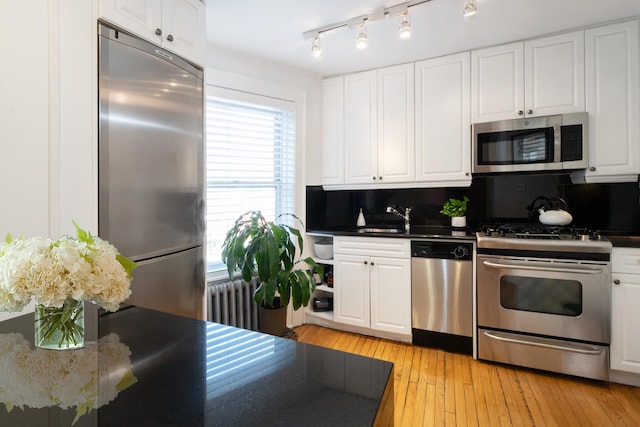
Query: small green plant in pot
{"type": "Point", "coordinates": [456, 209]}
{"type": "Point", "coordinates": [257, 247]}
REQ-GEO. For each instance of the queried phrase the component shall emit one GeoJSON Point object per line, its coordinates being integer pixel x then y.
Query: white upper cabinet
{"type": "Point", "coordinates": [613, 102]}
{"type": "Point", "coordinates": [535, 78]}
{"type": "Point", "coordinates": [333, 131]}
{"type": "Point", "coordinates": [176, 25]}
{"type": "Point", "coordinates": [554, 75]}
{"type": "Point", "coordinates": [379, 126]}
{"type": "Point", "coordinates": [396, 145]}
{"type": "Point", "coordinates": [361, 130]}
{"type": "Point", "coordinates": [443, 120]}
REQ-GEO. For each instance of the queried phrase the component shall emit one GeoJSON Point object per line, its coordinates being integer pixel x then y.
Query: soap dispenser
{"type": "Point", "coordinates": [361, 222]}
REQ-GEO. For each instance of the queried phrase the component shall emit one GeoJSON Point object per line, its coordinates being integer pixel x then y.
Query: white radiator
{"type": "Point", "coordinates": [231, 303]}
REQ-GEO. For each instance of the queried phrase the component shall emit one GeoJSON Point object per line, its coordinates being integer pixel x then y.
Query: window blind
{"type": "Point", "coordinates": [250, 162]}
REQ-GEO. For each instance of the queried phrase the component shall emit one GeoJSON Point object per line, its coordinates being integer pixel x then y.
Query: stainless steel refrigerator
{"type": "Point", "coordinates": [150, 170]}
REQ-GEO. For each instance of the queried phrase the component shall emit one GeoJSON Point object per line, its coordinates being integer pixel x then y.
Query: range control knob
{"type": "Point", "coordinates": [460, 252]}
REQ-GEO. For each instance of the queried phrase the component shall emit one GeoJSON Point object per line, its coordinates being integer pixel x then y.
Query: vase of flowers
{"type": "Point", "coordinates": [60, 275]}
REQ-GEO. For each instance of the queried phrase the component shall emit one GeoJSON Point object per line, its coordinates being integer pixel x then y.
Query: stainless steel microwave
{"type": "Point", "coordinates": [531, 144]}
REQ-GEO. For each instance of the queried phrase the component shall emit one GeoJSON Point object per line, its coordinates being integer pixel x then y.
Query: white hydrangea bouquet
{"type": "Point", "coordinates": [60, 275]}
{"type": "Point", "coordinates": [84, 379]}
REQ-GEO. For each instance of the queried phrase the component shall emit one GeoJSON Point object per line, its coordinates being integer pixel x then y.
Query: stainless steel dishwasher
{"type": "Point", "coordinates": [441, 294]}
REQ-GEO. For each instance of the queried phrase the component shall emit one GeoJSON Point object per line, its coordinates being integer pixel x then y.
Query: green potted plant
{"type": "Point", "coordinates": [257, 247]}
{"type": "Point", "coordinates": [456, 209]}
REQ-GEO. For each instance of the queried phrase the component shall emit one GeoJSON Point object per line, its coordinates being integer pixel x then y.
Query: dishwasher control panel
{"type": "Point", "coordinates": [441, 249]}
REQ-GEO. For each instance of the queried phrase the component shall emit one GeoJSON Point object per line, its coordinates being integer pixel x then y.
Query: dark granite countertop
{"type": "Point", "coordinates": [416, 232]}
{"type": "Point", "coordinates": [624, 241]}
{"type": "Point", "coordinates": [195, 373]}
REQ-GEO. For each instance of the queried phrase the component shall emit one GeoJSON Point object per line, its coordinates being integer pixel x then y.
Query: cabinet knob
{"type": "Point", "coordinates": [592, 168]}
{"type": "Point", "coordinates": [373, 263]}
{"type": "Point", "coordinates": [520, 113]}
{"type": "Point", "coordinates": [379, 178]}
{"type": "Point", "coordinates": [466, 174]}
{"type": "Point", "coordinates": [170, 37]}
{"type": "Point", "coordinates": [616, 281]}
{"type": "Point", "coordinates": [529, 111]}
{"type": "Point", "coordinates": [366, 262]}
{"type": "Point", "coordinates": [158, 32]}
{"type": "Point", "coordinates": [374, 178]}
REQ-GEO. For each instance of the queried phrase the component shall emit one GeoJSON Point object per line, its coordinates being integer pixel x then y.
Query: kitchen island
{"type": "Point", "coordinates": [184, 372]}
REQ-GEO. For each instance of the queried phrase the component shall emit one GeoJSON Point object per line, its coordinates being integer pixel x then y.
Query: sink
{"type": "Point", "coordinates": [380, 230]}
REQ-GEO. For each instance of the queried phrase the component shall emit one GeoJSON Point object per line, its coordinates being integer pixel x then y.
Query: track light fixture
{"type": "Point", "coordinates": [316, 50]}
{"type": "Point", "coordinates": [470, 8]}
{"type": "Point", "coordinates": [405, 26]}
{"type": "Point", "coordinates": [359, 22]}
{"type": "Point", "coordinates": [361, 40]}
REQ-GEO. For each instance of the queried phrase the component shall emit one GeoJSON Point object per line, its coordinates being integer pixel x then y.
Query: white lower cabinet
{"type": "Point", "coordinates": [625, 315]}
{"type": "Point", "coordinates": [372, 283]}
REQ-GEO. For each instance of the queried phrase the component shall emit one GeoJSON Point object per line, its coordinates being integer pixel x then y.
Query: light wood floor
{"type": "Point", "coordinates": [438, 388]}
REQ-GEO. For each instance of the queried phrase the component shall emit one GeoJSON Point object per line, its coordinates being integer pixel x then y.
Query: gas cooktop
{"type": "Point", "coordinates": [539, 231]}
{"type": "Point", "coordinates": [539, 237]}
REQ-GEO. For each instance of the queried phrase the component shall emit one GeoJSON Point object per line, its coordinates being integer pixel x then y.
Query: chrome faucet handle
{"type": "Point", "coordinates": [407, 219]}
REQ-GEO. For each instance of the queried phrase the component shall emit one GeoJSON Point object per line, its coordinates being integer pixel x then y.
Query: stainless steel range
{"type": "Point", "coordinates": [544, 298]}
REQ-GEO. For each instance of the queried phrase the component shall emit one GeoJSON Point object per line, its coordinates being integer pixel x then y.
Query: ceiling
{"type": "Point", "coordinates": [272, 29]}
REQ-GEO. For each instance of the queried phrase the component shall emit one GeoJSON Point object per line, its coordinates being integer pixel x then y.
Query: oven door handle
{"type": "Point", "coordinates": [545, 268]}
{"type": "Point", "coordinates": [576, 348]}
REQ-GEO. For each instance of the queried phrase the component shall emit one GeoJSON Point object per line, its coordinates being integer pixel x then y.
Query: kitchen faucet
{"type": "Point", "coordinates": [406, 216]}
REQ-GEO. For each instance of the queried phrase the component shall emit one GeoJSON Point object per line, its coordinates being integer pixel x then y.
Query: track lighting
{"type": "Point", "coordinates": [470, 8]}
{"type": "Point", "coordinates": [405, 26]}
{"type": "Point", "coordinates": [316, 50]}
{"type": "Point", "coordinates": [361, 41]}
{"type": "Point", "coordinates": [359, 22]}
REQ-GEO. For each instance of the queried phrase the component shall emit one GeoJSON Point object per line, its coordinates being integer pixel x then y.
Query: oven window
{"type": "Point", "coordinates": [541, 295]}
{"type": "Point", "coordinates": [516, 147]}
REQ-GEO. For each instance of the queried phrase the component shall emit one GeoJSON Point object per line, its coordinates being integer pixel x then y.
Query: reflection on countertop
{"type": "Point", "coordinates": [195, 373]}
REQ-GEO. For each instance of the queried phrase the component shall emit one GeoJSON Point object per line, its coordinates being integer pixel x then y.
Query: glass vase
{"type": "Point", "coordinates": [60, 328]}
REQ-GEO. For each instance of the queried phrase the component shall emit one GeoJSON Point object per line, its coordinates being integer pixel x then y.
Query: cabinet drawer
{"type": "Point", "coordinates": [625, 260]}
{"type": "Point", "coordinates": [372, 246]}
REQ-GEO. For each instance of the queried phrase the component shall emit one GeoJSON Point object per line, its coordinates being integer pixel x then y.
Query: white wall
{"type": "Point", "coordinates": [47, 117]}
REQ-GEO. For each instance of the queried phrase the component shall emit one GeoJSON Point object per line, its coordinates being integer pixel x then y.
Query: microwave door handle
{"type": "Point", "coordinates": [536, 268]}
{"type": "Point", "coordinates": [582, 349]}
{"type": "Point", "coordinates": [557, 144]}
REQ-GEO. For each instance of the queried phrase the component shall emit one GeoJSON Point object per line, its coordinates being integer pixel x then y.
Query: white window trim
{"type": "Point", "coordinates": [220, 80]}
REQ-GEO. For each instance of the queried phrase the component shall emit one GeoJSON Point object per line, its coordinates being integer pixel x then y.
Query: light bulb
{"type": "Point", "coordinates": [469, 9]}
{"type": "Point", "coordinates": [361, 41]}
{"type": "Point", "coordinates": [316, 50]}
{"type": "Point", "coordinates": [405, 27]}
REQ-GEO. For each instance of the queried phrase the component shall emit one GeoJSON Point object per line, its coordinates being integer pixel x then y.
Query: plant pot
{"type": "Point", "coordinates": [273, 320]}
{"type": "Point", "coordinates": [459, 221]}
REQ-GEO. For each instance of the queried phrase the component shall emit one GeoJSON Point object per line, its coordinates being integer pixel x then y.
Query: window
{"type": "Point", "coordinates": [250, 162]}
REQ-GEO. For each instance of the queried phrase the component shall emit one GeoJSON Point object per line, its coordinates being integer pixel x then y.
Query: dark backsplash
{"type": "Point", "coordinates": [611, 208]}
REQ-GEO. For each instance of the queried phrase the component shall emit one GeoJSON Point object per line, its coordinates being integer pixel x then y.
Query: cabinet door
{"type": "Point", "coordinates": [391, 295]}
{"type": "Point", "coordinates": [333, 131]}
{"type": "Point", "coordinates": [351, 290]}
{"type": "Point", "coordinates": [396, 146]}
{"type": "Point", "coordinates": [554, 75]}
{"type": "Point", "coordinates": [497, 83]}
{"type": "Point", "coordinates": [360, 124]}
{"type": "Point", "coordinates": [443, 123]}
{"type": "Point", "coordinates": [613, 102]}
{"type": "Point", "coordinates": [183, 28]}
{"type": "Point", "coordinates": [625, 318]}
{"type": "Point", "coordinates": [142, 17]}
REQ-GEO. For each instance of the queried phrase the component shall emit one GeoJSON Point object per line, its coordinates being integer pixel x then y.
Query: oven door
{"type": "Point", "coordinates": [564, 299]}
